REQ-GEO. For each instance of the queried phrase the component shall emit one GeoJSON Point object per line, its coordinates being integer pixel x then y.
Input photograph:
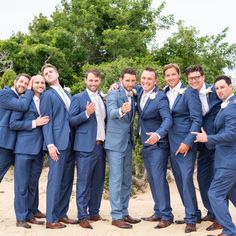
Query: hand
{"type": "Point", "coordinates": [90, 108]}
{"type": "Point", "coordinates": [126, 107]}
{"type": "Point", "coordinates": [53, 152]}
{"type": "Point", "coordinates": [30, 85]}
{"type": "Point", "coordinates": [114, 86]}
{"type": "Point", "coordinates": [183, 149]}
{"type": "Point", "coordinates": [152, 139]}
{"type": "Point", "coordinates": [41, 120]}
{"type": "Point", "coordinates": [200, 137]}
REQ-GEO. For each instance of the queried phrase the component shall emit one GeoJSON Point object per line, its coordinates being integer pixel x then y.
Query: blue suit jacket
{"type": "Point", "coordinates": [85, 128]}
{"type": "Point", "coordinates": [9, 102]}
{"type": "Point", "coordinates": [57, 131]}
{"type": "Point", "coordinates": [187, 117]}
{"type": "Point", "coordinates": [155, 117]}
{"type": "Point", "coordinates": [119, 129]}
{"type": "Point", "coordinates": [224, 138]}
{"type": "Point", "coordinates": [29, 140]}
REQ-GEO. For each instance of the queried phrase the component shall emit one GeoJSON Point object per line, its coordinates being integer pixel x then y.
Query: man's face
{"type": "Point", "coordinates": [223, 90]}
{"type": "Point", "coordinates": [92, 82]}
{"type": "Point", "coordinates": [148, 80]}
{"type": "Point", "coordinates": [172, 77]}
{"type": "Point", "coordinates": [196, 80]}
{"type": "Point", "coordinates": [21, 84]}
{"type": "Point", "coordinates": [128, 81]}
{"type": "Point", "coordinates": [38, 84]}
{"type": "Point", "coordinates": [51, 75]}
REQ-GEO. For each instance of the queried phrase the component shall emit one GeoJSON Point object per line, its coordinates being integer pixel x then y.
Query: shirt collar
{"type": "Point", "coordinates": [90, 93]}
{"type": "Point", "coordinates": [177, 87]}
{"type": "Point", "coordinates": [13, 89]}
{"type": "Point", "coordinates": [203, 89]}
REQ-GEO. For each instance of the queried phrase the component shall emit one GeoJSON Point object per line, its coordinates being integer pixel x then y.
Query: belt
{"type": "Point", "coordinates": [99, 142]}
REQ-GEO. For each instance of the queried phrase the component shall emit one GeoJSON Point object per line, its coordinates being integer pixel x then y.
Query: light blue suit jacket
{"type": "Point", "coordinates": [9, 102]}
{"type": "Point", "coordinates": [29, 140]}
{"type": "Point", "coordinates": [224, 138]}
{"type": "Point", "coordinates": [85, 128]}
{"type": "Point", "coordinates": [57, 131]}
{"type": "Point", "coordinates": [119, 129]}
{"type": "Point", "coordinates": [155, 117]}
{"type": "Point", "coordinates": [187, 117]}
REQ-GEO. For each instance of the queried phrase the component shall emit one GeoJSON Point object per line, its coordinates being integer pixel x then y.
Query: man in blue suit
{"type": "Point", "coordinates": [55, 103]}
{"type": "Point", "coordinates": [186, 113]}
{"type": "Point", "coordinates": [223, 140]}
{"type": "Point", "coordinates": [153, 125]}
{"type": "Point", "coordinates": [118, 145]}
{"type": "Point", "coordinates": [87, 114]}
{"type": "Point", "coordinates": [29, 158]}
{"type": "Point", "coordinates": [205, 160]}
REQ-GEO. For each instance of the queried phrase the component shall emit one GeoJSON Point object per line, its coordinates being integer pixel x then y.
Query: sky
{"type": "Point", "coordinates": [210, 17]}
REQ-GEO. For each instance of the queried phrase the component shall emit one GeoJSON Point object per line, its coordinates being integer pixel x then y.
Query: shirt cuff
{"type": "Point", "coordinates": [157, 135]}
{"type": "Point", "coordinates": [121, 113]}
{"type": "Point", "coordinates": [33, 124]}
{"type": "Point", "coordinates": [50, 145]}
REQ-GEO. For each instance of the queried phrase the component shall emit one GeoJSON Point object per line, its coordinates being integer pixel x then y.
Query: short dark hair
{"type": "Point", "coordinates": [22, 74]}
{"type": "Point", "coordinates": [194, 68]}
{"type": "Point", "coordinates": [171, 65]}
{"type": "Point", "coordinates": [223, 77]}
{"type": "Point", "coordinates": [129, 71]}
{"type": "Point", "coordinates": [94, 72]}
{"type": "Point", "coordinates": [46, 66]}
{"type": "Point", "coordinates": [151, 70]}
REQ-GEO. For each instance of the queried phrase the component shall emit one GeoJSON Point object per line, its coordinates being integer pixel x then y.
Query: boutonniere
{"type": "Point", "coordinates": [67, 89]}
{"type": "Point", "coordinates": [224, 104]}
{"type": "Point", "coordinates": [153, 95]}
{"type": "Point", "coordinates": [134, 91]}
{"type": "Point", "coordinates": [209, 90]}
{"type": "Point", "coordinates": [181, 90]}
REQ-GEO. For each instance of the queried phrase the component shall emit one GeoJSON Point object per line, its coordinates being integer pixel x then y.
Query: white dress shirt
{"type": "Point", "coordinates": [172, 93]}
{"type": "Point", "coordinates": [203, 98]}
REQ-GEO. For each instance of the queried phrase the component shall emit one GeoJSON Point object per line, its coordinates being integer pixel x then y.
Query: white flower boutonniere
{"type": "Point", "coordinates": [153, 95]}
{"type": "Point", "coordinates": [209, 90]}
{"type": "Point", "coordinates": [181, 90]}
{"type": "Point", "coordinates": [224, 104]}
{"type": "Point", "coordinates": [134, 91]}
{"type": "Point", "coordinates": [67, 89]}
{"type": "Point", "coordinates": [103, 95]}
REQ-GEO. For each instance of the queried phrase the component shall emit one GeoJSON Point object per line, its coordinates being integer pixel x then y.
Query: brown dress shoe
{"type": "Point", "coordinates": [152, 218]}
{"type": "Point", "coordinates": [55, 225]}
{"type": "Point", "coordinates": [39, 214]}
{"type": "Point", "coordinates": [207, 218]}
{"type": "Point", "coordinates": [67, 220]}
{"type": "Point", "coordinates": [190, 228]}
{"type": "Point", "coordinates": [97, 218]}
{"type": "Point", "coordinates": [23, 224]}
{"type": "Point", "coordinates": [214, 226]}
{"type": "Point", "coordinates": [121, 224]}
{"type": "Point", "coordinates": [131, 220]}
{"type": "Point", "coordinates": [85, 224]}
{"type": "Point", "coordinates": [34, 221]}
{"type": "Point", "coordinates": [163, 224]}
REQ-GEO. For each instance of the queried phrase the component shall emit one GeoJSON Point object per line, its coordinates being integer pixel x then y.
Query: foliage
{"type": "Point", "coordinates": [7, 78]}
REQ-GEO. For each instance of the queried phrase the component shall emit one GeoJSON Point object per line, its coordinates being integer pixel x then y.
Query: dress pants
{"type": "Point", "coordinates": [60, 183]}
{"type": "Point", "coordinates": [90, 181]}
{"type": "Point", "coordinates": [120, 181]}
{"type": "Point", "coordinates": [7, 158]}
{"type": "Point", "coordinates": [155, 161]}
{"type": "Point", "coordinates": [27, 172]}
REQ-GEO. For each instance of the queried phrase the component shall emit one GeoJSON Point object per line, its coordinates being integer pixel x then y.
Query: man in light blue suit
{"type": "Point", "coordinates": [87, 114]}
{"type": "Point", "coordinates": [223, 140]}
{"type": "Point", "coordinates": [118, 145]}
{"type": "Point", "coordinates": [153, 125]}
{"type": "Point", "coordinates": [186, 113]}
{"type": "Point", "coordinates": [205, 160]}
{"type": "Point", "coordinates": [55, 103]}
{"type": "Point", "coordinates": [29, 156]}
{"type": "Point", "coordinates": [11, 99]}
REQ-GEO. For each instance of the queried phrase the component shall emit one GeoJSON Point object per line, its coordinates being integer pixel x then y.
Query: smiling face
{"type": "Point", "coordinates": [148, 80]}
{"type": "Point", "coordinates": [128, 81]}
{"type": "Point", "coordinates": [92, 82]}
{"type": "Point", "coordinates": [21, 84]}
{"type": "Point", "coordinates": [196, 80]}
{"type": "Point", "coordinates": [51, 75]}
{"type": "Point", "coordinates": [172, 77]}
{"type": "Point", "coordinates": [223, 89]}
{"type": "Point", "coordinates": [38, 84]}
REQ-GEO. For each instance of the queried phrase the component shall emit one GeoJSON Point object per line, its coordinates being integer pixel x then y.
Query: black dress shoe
{"type": "Point", "coordinates": [121, 224]}
{"type": "Point", "coordinates": [131, 220]}
{"type": "Point", "coordinates": [152, 218]}
{"type": "Point", "coordinates": [214, 226]}
{"type": "Point", "coordinates": [190, 228]}
{"type": "Point", "coordinates": [23, 224]}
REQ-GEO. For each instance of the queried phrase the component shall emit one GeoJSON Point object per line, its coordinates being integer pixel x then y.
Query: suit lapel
{"type": "Point", "coordinates": [178, 96]}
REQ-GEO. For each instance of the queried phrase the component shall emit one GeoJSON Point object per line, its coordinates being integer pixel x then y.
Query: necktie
{"type": "Point", "coordinates": [143, 100]}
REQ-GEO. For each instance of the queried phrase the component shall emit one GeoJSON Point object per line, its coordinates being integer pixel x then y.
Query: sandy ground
{"type": "Point", "coordinates": [140, 205]}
